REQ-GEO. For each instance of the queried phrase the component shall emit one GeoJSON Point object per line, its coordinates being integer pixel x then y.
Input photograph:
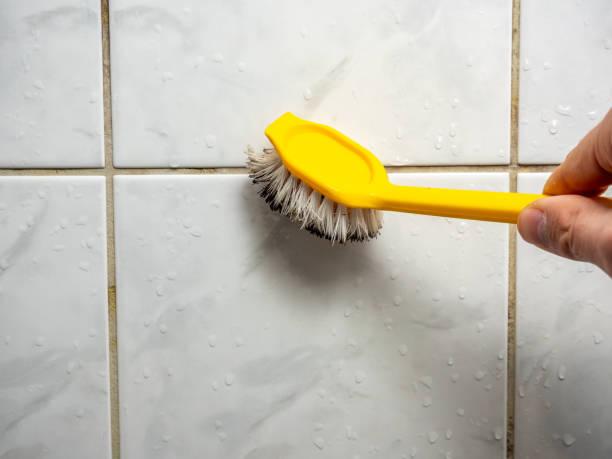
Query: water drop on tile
{"type": "Point", "coordinates": [432, 437]}
{"type": "Point", "coordinates": [564, 110]}
{"type": "Point", "coordinates": [427, 401]}
{"type": "Point", "coordinates": [568, 439]}
{"type": "Point", "coordinates": [146, 373]}
{"type": "Point", "coordinates": [39, 341]}
{"type": "Point", "coordinates": [455, 377]}
{"type": "Point", "coordinates": [553, 127]}
{"type": "Point", "coordinates": [403, 350]}
{"type": "Point", "coordinates": [212, 340]}
{"type": "Point", "coordinates": [451, 361]}
{"type": "Point", "coordinates": [319, 442]}
{"type": "Point", "coordinates": [210, 140]}
{"type": "Point", "coordinates": [218, 58]}
{"type": "Point", "coordinates": [597, 337]}
{"type": "Point", "coordinates": [460, 412]}
{"type": "Point", "coordinates": [397, 300]}
{"type": "Point", "coordinates": [163, 329]}
{"type": "Point", "coordinates": [359, 377]}
{"type": "Point", "coordinates": [561, 373]}
{"type": "Point", "coordinates": [351, 434]}
{"type": "Point", "coordinates": [498, 433]}
{"type": "Point", "coordinates": [241, 66]}
{"type": "Point", "coordinates": [229, 379]}
{"type": "Point", "coordinates": [307, 94]}
{"type": "Point", "coordinates": [479, 375]}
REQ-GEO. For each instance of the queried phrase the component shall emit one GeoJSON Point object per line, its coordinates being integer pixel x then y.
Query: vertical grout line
{"type": "Point", "coordinates": [109, 171]}
{"type": "Point", "coordinates": [512, 233]}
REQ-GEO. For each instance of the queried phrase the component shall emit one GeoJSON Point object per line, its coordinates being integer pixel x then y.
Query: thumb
{"type": "Point", "coordinates": [571, 226]}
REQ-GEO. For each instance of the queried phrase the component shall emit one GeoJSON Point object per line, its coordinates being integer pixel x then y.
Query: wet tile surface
{"type": "Point", "coordinates": [50, 84]}
{"type": "Point", "coordinates": [564, 328]}
{"type": "Point", "coordinates": [416, 82]}
{"type": "Point", "coordinates": [241, 336]}
{"type": "Point", "coordinates": [566, 54]}
{"type": "Point", "coordinates": [54, 399]}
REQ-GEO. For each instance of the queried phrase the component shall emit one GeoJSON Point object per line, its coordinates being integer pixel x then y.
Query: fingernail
{"type": "Point", "coordinates": [532, 224]}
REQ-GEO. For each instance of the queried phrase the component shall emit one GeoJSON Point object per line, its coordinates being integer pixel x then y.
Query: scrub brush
{"type": "Point", "coordinates": [335, 188]}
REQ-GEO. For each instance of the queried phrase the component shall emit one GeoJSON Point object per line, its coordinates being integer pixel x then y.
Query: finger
{"type": "Point", "coordinates": [571, 226]}
{"type": "Point", "coordinates": [588, 167]}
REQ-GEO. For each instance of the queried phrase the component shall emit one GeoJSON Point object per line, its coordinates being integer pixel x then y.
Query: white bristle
{"type": "Point", "coordinates": [314, 212]}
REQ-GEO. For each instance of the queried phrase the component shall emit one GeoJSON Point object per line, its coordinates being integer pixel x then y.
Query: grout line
{"type": "Point", "coordinates": [110, 235]}
{"type": "Point", "coordinates": [512, 233]}
{"type": "Point", "coordinates": [110, 171]}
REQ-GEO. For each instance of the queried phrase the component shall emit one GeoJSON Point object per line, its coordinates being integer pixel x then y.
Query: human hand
{"type": "Point", "coordinates": [572, 225]}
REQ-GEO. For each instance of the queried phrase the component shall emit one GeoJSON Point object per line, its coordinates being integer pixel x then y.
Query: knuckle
{"type": "Point", "coordinates": [565, 233]}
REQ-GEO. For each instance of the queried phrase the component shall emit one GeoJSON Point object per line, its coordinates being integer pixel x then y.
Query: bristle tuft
{"type": "Point", "coordinates": [315, 213]}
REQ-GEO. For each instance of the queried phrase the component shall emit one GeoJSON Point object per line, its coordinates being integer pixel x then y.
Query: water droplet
{"type": "Point", "coordinates": [229, 379]}
{"type": "Point", "coordinates": [222, 436]}
{"type": "Point", "coordinates": [553, 127]}
{"type": "Point", "coordinates": [212, 340]}
{"type": "Point", "coordinates": [479, 375]}
{"type": "Point", "coordinates": [163, 329]}
{"type": "Point", "coordinates": [437, 296]}
{"type": "Point", "coordinates": [239, 341]}
{"type": "Point", "coordinates": [479, 327]}
{"type": "Point", "coordinates": [427, 401]}
{"type": "Point", "coordinates": [92, 333]}
{"type": "Point", "coordinates": [146, 373]}
{"type": "Point", "coordinates": [438, 143]}
{"type": "Point", "coordinates": [359, 377]}
{"type": "Point", "coordinates": [399, 133]}
{"type": "Point", "coordinates": [307, 94]}
{"type": "Point", "coordinates": [460, 412]}
{"type": "Point", "coordinates": [455, 102]}
{"type": "Point", "coordinates": [170, 371]}
{"type": "Point", "coordinates": [403, 350]}
{"type": "Point", "coordinates": [351, 434]}
{"type": "Point", "coordinates": [388, 322]}
{"type": "Point", "coordinates": [597, 337]}
{"type": "Point", "coordinates": [451, 361]}
{"type": "Point", "coordinates": [146, 323]}
{"type": "Point", "coordinates": [455, 377]}
{"type": "Point", "coordinates": [218, 58]}
{"type": "Point", "coordinates": [561, 372]}
{"type": "Point", "coordinates": [607, 43]}
{"type": "Point", "coordinates": [210, 141]}
{"type": "Point", "coordinates": [448, 455]}
{"type": "Point", "coordinates": [348, 312]}
{"type": "Point", "coordinates": [40, 341]}
{"type": "Point", "coordinates": [501, 355]}
{"type": "Point", "coordinates": [167, 76]}
{"type": "Point", "coordinates": [80, 413]}
{"type": "Point", "coordinates": [432, 437]}
{"type": "Point", "coordinates": [526, 65]}
{"type": "Point", "coordinates": [568, 439]}
{"type": "Point", "coordinates": [397, 300]}
{"type": "Point", "coordinates": [159, 290]}
{"type": "Point", "coordinates": [427, 381]}
{"type": "Point", "coordinates": [394, 274]}
{"type": "Point", "coordinates": [521, 391]}
{"type": "Point", "coordinates": [452, 130]}
{"type": "Point", "coordinates": [241, 66]}
{"type": "Point", "coordinates": [84, 266]}
{"type": "Point", "coordinates": [547, 65]}
{"type": "Point", "coordinates": [498, 433]}
{"type": "Point", "coordinates": [171, 275]}
{"type": "Point", "coordinates": [449, 434]}
{"type": "Point", "coordinates": [564, 110]}
{"type": "Point", "coordinates": [592, 115]}
{"type": "Point", "coordinates": [214, 385]}
{"type": "Point", "coordinates": [319, 442]}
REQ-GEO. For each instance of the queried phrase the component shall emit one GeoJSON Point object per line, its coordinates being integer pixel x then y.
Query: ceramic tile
{"type": "Point", "coordinates": [50, 84]}
{"type": "Point", "coordinates": [565, 85]}
{"type": "Point", "coordinates": [416, 82]}
{"type": "Point", "coordinates": [241, 336]}
{"type": "Point", "coordinates": [53, 348]}
{"type": "Point", "coordinates": [564, 326]}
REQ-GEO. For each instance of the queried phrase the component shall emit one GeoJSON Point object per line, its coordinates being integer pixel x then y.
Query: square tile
{"type": "Point", "coordinates": [241, 336]}
{"type": "Point", "coordinates": [565, 87]}
{"type": "Point", "coordinates": [51, 84]}
{"type": "Point", "coordinates": [564, 327]}
{"type": "Point", "coordinates": [417, 82]}
{"type": "Point", "coordinates": [54, 400]}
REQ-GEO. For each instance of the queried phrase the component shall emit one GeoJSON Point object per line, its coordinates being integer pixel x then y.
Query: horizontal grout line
{"type": "Point", "coordinates": [244, 170]}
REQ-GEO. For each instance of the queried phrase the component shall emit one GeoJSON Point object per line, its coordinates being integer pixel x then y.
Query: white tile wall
{"type": "Point", "coordinates": [564, 328]}
{"type": "Point", "coordinates": [241, 336]}
{"type": "Point", "coordinates": [54, 400]}
{"type": "Point", "coordinates": [566, 54]}
{"type": "Point", "coordinates": [417, 82]}
{"type": "Point", "coordinates": [50, 84]}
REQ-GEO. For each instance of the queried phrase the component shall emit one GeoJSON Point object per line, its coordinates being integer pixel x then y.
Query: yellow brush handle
{"type": "Point", "coordinates": [472, 205]}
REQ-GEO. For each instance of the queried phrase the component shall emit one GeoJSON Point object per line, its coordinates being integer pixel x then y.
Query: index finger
{"type": "Point", "coordinates": [587, 169]}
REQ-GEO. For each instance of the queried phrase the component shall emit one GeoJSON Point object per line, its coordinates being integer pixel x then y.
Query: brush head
{"type": "Point", "coordinates": [315, 213]}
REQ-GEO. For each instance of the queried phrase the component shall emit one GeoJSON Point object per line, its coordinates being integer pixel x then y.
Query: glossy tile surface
{"type": "Point", "coordinates": [194, 82]}
{"type": "Point", "coordinates": [50, 84]}
{"type": "Point", "coordinates": [241, 336]}
{"type": "Point", "coordinates": [566, 63]}
{"type": "Point", "coordinates": [564, 327]}
{"type": "Point", "coordinates": [53, 346]}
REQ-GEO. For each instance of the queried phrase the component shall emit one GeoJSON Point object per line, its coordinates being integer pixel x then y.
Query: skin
{"type": "Point", "coordinates": [571, 223]}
